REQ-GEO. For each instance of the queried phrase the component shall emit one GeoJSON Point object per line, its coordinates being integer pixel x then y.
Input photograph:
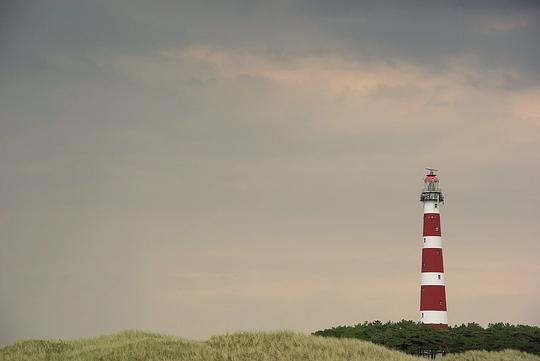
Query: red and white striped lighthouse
{"type": "Point", "coordinates": [432, 290]}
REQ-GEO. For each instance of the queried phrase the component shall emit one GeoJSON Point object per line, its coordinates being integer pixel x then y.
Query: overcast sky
{"type": "Point", "coordinates": [199, 167]}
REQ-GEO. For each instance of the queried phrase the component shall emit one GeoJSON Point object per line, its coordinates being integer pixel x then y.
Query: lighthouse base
{"type": "Point", "coordinates": [437, 326]}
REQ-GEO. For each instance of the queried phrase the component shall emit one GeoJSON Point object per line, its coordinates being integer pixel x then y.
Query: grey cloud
{"type": "Point", "coordinates": [419, 32]}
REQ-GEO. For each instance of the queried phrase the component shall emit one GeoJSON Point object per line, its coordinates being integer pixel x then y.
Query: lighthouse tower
{"type": "Point", "coordinates": [432, 290]}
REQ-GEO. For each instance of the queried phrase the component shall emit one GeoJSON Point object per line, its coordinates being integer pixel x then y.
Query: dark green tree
{"type": "Point", "coordinates": [414, 338]}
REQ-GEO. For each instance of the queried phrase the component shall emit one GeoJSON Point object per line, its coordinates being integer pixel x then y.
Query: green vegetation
{"type": "Point", "coordinates": [282, 346]}
{"type": "Point", "coordinates": [412, 337]}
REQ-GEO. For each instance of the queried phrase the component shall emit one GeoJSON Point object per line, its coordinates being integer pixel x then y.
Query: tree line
{"type": "Point", "coordinates": [417, 338]}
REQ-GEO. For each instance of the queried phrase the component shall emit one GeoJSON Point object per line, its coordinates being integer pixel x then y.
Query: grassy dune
{"type": "Point", "coordinates": [135, 345]}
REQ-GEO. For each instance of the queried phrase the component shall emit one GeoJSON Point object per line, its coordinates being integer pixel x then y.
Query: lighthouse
{"type": "Point", "coordinates": [432, 289]}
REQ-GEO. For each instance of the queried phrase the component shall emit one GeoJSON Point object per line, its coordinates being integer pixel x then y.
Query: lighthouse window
{"type": "Point", "coordinates": [435, 205]}
{"type": "Point", "coordinates": [439, 276]}
{"type": "Point", "coordinates": [422, 314]}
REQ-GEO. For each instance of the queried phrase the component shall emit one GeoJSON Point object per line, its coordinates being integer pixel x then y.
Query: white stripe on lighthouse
{"type": "Point", "coordinates": [431, 207]}
{"type": "Point", "coordinates": [434, 317]}
{"type": "Point", "coordinates": [432, 279]}
{"type": "Point", "coordinates": [432, 242]}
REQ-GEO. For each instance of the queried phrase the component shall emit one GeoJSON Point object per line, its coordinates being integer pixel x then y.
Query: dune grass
{"type": "Point", "coordinates": [245, 346]}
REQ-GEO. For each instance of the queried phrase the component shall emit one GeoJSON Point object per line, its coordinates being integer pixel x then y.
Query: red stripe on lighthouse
{"type": "Point", "coordinates": [433, 298]}
{"type": "Point", "coordinates": [432, 224]}
{"type": "Point", "coordinates": [432, 260]}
